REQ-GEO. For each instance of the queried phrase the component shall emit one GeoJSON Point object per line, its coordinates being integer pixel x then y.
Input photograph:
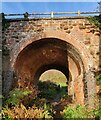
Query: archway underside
{"type": "Point", "coordinates": [51, 53]}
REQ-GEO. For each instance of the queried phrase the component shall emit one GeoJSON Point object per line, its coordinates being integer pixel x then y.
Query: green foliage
{"type": "Point", "coordinates": [48, 111]}
{"type": "Point", "coordinates": [81, 112]}
{"type": "Point", "coordinates": [98, 77]}
{"type": "Point", "coordinates": [75, 112]}
{"type": "Point", "coordinates": [50, 94]}
{"type": "Point", "coordinates": [63, 92]}
{"type": "Point", "coordinates": [96, 112]}
{"type": "Point", "coordinates": [16, 95]}
{"type": "Point", "coordinates": [20, 111]}
{"type": "Point", "coordinates": [40, 106]}
{"type": "Point", "coordinates": [14, 108]}
{"type": "Point", "coordinates": [51, 91]}
{"type": "Point", "coordinates": [5, 24]}
{"type": "Point", "coordinates": [95, 20]}
{"type": "Point", "coordinates": [47, 89]}
{"type": "Point", "coordinates": [6, 116]}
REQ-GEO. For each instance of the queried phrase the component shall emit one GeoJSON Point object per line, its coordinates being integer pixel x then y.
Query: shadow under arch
{"type": "Point", "coordinates": [50, 53]}
{"type": "Point", "coordinates": [53, 45]}
{"type": "Point", "coordinates": [18, 48]}
{"type": "Point", "coordinates": [44, 68]}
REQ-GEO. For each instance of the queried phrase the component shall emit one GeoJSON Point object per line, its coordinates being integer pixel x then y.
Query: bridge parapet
{"type": "Point", "coordinates": [50, 14]}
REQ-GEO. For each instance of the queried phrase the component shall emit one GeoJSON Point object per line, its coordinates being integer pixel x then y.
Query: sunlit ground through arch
{"type": "Point", "coordinates": [54, 76]}
{"type": "Point", "coordinates": [53, 85]}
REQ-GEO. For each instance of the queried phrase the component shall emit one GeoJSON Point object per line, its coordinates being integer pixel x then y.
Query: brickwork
{"type": "Point", "coordinates": [30, 47]}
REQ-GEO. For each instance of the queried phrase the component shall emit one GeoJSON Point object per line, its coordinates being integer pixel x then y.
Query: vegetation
{"type": "Point", "coordinates": [79, 111]}
{"type": "Point", "coordinates": [16, 95]}
{"type": "Point", "coordinates": [95, 20]}
{"type": "Point", "coordinates": [75, 112]}
{"type": "Point", "coordinates": [96, 113]}
{"type": "Point", "coordinates": [98, 77]}
{"type": "Point", "coordinates": [40, 103]}
{"type": "Point", "coordinates": [13, 107]}
{"type": "Point", "coordinates": [50, 90]}
{"type": "Point", "coordinates": [22, 112]}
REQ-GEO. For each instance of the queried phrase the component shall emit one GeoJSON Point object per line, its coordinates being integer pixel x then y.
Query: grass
{"type": "Point", "coordinates": [54, 76]}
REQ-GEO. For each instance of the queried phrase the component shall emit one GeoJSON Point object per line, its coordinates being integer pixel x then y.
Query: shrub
{"type": "Point", "coordinates": [75, 112]}
{"type": "Point", "coordinates": [16, 95]}
{"type": "Point", "coordinates": [47, 89]}
{"type": "Point", "coordinates": [98, 77]}
{"type": "Point", "coordinates": [14, 107]}
{"type": "Point", "coordinates": [96, 113]}
{"type": "Point", "coordinates": [48, 111]}
{"type": "Point", "coordinates": [94, 20]}
{"type": "Point", "coordinates": [20, 111]}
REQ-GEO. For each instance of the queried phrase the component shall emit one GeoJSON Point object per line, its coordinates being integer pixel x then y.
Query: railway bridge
{"type": "Point", "coordinates": [71, 45]}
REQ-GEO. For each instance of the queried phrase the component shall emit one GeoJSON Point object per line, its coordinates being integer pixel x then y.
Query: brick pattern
{"type": "Point", "coordinates": [78, 29]}
{"type": "Point", "coordinates": [81, 30]}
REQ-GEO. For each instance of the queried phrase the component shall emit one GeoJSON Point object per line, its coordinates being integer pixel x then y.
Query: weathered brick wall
{"type": "Point", "coordinates": [80, 31]}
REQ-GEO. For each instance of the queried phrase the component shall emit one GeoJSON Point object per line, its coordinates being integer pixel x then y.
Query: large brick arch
{"type": "Point", "coordinates": [86, 57]}
{"type": "Point", "coordinates": [71, 55]}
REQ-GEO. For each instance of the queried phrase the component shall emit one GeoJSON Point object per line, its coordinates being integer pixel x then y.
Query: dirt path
{"type": "Point", "coordinates": [59, 105]}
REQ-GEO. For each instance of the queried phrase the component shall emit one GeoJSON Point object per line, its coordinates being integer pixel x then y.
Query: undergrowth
{"type": "Point", "coordinates": [15, 107]}
{"type": "Point", "coordinates": [24, 103]}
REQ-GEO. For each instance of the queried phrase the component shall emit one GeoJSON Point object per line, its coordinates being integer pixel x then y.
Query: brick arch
{"type": "Point", "coordinates": [86, 57]}
{"type": "Point", "coordinates": [78, 57]}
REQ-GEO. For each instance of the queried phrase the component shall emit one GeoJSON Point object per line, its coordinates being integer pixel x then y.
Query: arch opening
{"type": "Point", "coordinates": [55, 76]}
{"type": "Point", "coordinates": [63, 69]}
{"type": "Point", "coordinates": [46, 54]}
{"type": "Point", "coordinates": [53, 85]}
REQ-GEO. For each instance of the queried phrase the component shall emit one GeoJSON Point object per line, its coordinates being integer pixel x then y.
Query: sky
{"type": "Point", "coordinates": [30, 7]}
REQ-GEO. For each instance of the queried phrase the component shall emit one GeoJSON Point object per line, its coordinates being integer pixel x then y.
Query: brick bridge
{"type": "Point", "coordinates": [32, 46]}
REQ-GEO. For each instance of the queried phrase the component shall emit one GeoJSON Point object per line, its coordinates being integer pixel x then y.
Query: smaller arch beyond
{"type": "Point", "coordinates": [53, 75]}
{"type": "Point", "coordinates": [44, 68]}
